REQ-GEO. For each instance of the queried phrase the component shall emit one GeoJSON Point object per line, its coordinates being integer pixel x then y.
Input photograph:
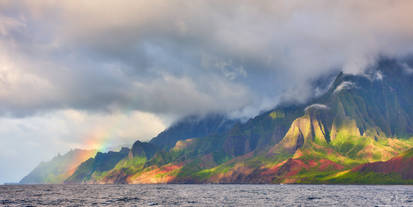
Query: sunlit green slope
{"type": "Point", "coordinates": [360, 119]}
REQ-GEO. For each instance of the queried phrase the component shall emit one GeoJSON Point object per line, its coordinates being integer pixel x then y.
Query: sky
{"type": "Point", "coordinates": [104, 73]}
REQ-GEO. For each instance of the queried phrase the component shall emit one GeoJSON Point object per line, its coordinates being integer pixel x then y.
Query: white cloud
{"type": "Point", "coordinates": [407, 69]}
{"type": "Point", "coordinates": [378, 75]}
{"type": "Point", "coordinates": [345, 85]}
{"type": "Point", "coordinates": [19, 87]}
{"type": "Point", "coordinates": [316, 106]}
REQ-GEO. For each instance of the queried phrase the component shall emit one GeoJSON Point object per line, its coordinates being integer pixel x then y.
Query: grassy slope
{"type": "Point", "coordinates": [393, 171]}
{"type": "Point", "coordinates": [312, 164]}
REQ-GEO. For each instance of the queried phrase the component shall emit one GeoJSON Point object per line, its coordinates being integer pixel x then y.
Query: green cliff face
{"type": "Point", "coordinates": [94, 168]}
{"type": "Point", "coordinates": [361, 119]}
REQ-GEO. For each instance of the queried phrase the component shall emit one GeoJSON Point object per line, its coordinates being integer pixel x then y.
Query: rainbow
{"type": "Point", "coordinates": [81, 157]}
{"type": "Point", "coordinates": [99, 137]}
{"type": "Point", "coordinates": [98, 140]}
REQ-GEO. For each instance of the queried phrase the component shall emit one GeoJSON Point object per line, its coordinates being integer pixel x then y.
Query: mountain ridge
{"type": "Point", "coordinates": [59, 168]}
{"type": "Point", "coordinates": [360, 119]}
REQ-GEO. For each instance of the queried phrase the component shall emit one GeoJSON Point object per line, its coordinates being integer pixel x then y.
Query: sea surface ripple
{"type": "Point", "coordinates": [205, 195]}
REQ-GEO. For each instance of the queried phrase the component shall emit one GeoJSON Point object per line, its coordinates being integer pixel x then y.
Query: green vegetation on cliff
{"type": "Point", "coordinates": [353, 133]}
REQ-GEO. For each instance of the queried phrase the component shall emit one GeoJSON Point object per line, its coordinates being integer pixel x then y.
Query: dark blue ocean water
{"type": "Point", "coordinates": [205, 195]}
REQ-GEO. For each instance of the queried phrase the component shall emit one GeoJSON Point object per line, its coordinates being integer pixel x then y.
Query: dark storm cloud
{"type": "Point", "coordinates": [180, 57]}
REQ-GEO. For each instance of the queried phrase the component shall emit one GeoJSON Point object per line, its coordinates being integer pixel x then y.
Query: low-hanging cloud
{"type": "Point", "coordinates": [316, 106]}
{"type": "Point", "coordinates": [345, 85]}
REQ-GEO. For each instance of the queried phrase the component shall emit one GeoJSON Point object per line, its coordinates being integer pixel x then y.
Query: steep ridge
{"type": "Point", "coordinates": [260, 132]}
{"type": "Point", "coordinates": [94, 168]}
{"type": "Point", "coordinates": [192, 126]}
{"type": "Point", "coordinates": [142, 149]}
{"type": "Point", "coordinates": [59, 168]}
{"type": "Point", "coordinates": [189, 156]}
{"type": "Point", "coordinates": [351, 124]}
{"type": "Point", "coordinates": [345, 127]}
{"type": "Point", "coordinates": [154, 152]}
{"type": "Point", "coordinates": [376, 106]}
{"type": "Point", "coordinates": [360, 119]}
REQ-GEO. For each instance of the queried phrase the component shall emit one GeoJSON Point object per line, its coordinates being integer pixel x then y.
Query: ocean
{"type": "Point", "coordinates": [206, 195]}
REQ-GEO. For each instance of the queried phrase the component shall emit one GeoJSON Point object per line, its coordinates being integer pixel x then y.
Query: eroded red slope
{"type": "Point", "coordinates": [402, 165]}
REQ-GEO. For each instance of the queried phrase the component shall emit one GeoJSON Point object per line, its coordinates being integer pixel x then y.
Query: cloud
{"type": "Point", "coordinates": [316, 106]}
{"type": "Point", "coordinates": [182, 95]}
{"type": "Point", "coordinates": [407, 69]}
{"type": "Point", "coordinates": [345, 85]}
{"type": "Point", "coordinates": [266, 48]}
{"type": "Point", "coordinates": [378, 76]}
